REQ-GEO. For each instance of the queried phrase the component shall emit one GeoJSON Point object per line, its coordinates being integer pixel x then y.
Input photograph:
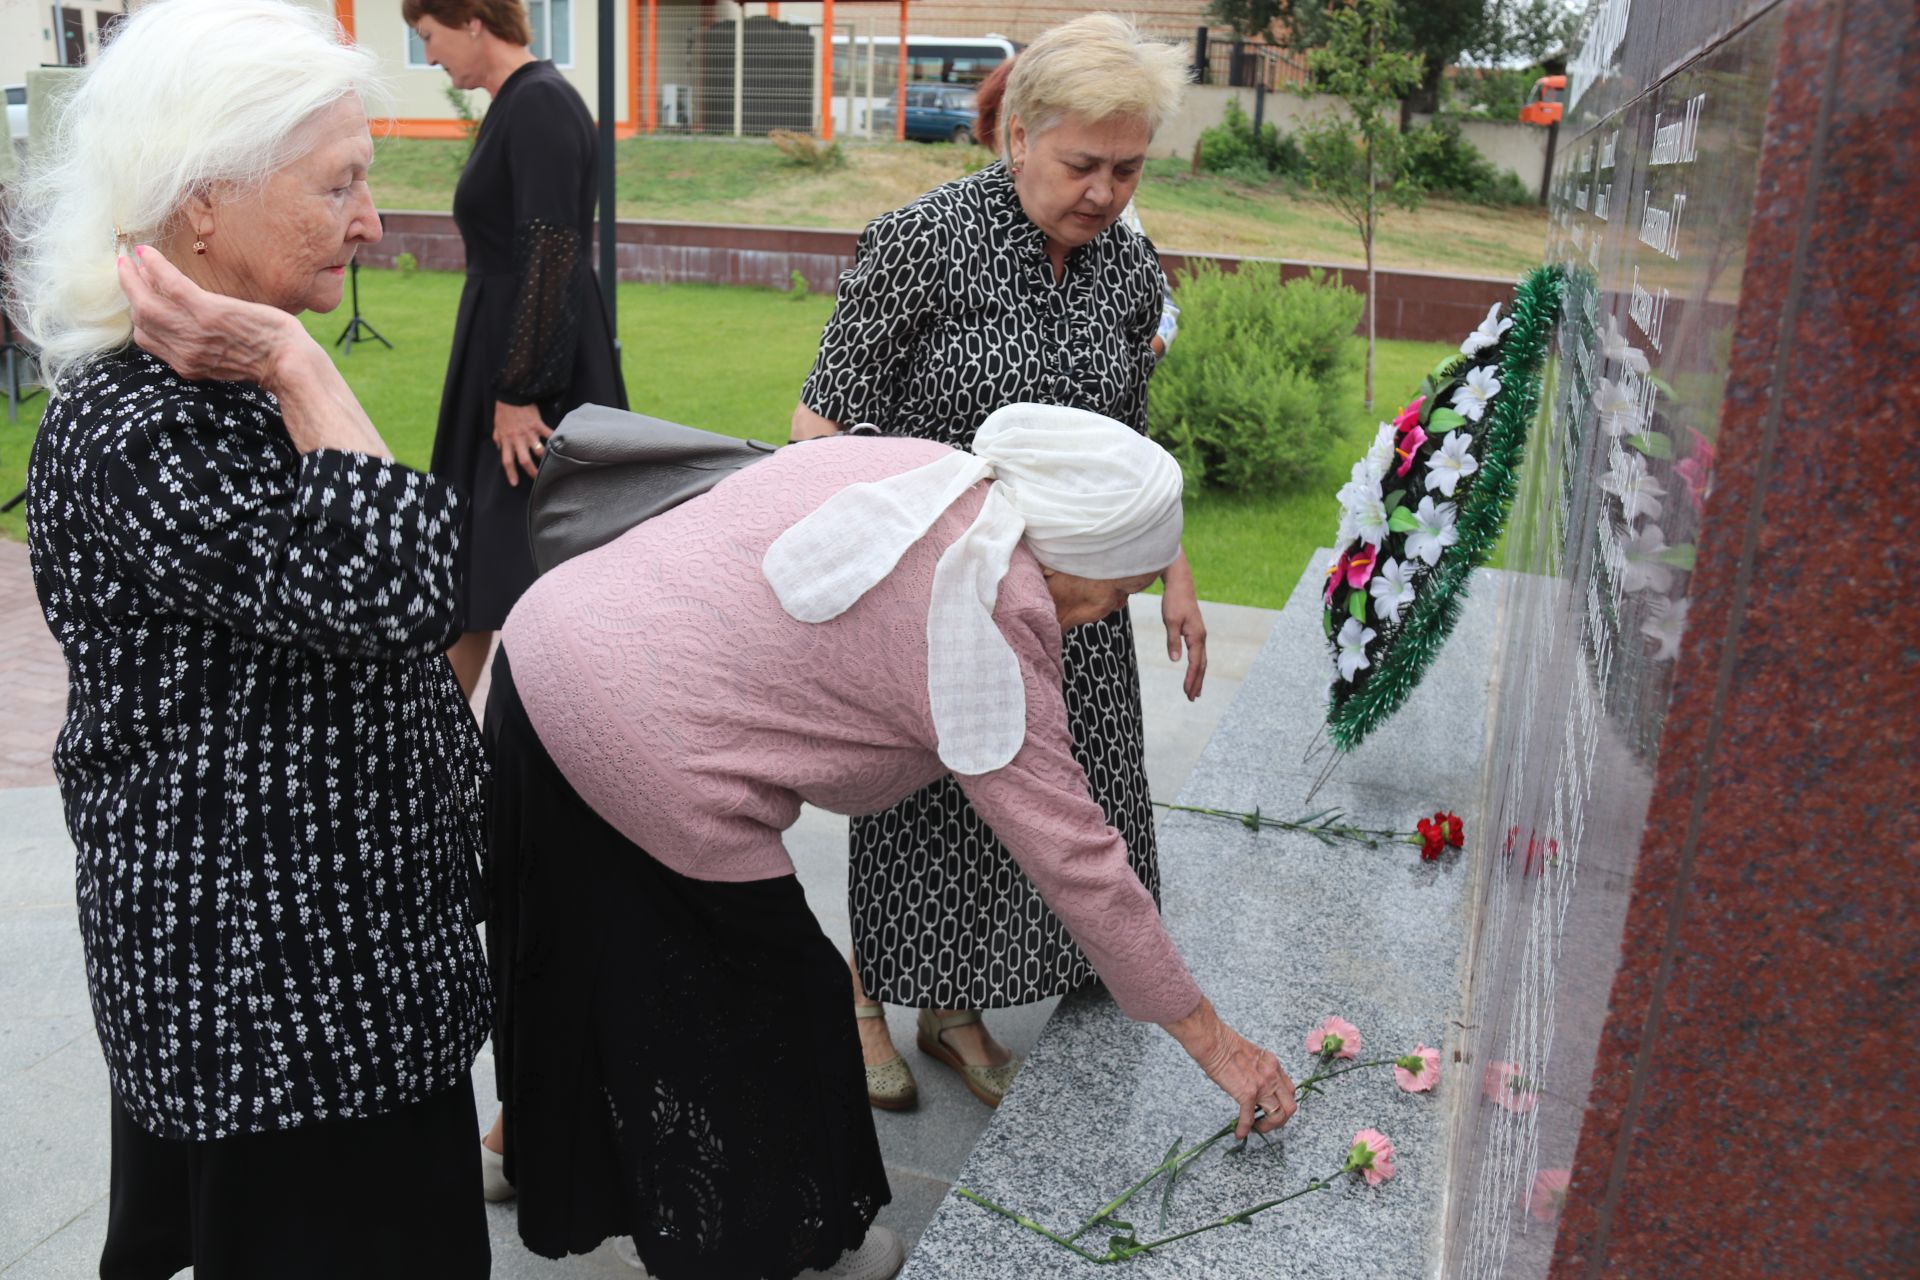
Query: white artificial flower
{"type": "Point", "coordinates": [1362, 513]}
{"type": "Point", "coordinates": [1619, 415]}
{"type": "Point", "coordinates": [1668, 620]}
{"type": "Point", "coordinates": [1644, 570]}
{"type": "Point", "coordinates": [1639, 493]}
{"type": "Point", "coordinates": [1487, 334]}
{"type": "Point", "coordinates": [1614, 347]}
{"type": "Point", "coordinates": [1470, 399]}
{"type": "Point", "coordinates": [1391, 588]}
{"type": "Point", "coordinates": [1380, 453]}
{"type": "Point", "coordinates": [1451, 463]}
{"type": "Point", "coordinates": [1353, 640]}
{"type": "Point", "coordinates": [1435, 532]}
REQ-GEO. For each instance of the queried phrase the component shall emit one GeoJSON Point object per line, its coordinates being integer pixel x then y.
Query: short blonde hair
{"type": "Point", "coordinates": [1095, 68]}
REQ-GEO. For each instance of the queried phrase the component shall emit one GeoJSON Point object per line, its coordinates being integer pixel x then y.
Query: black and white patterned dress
{"type": "Point", "coordinates": [273, 784]}
{"type": "Point", "coordinates": [951, 311]}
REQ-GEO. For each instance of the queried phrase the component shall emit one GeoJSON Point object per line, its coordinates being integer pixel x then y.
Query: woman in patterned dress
{"type": "Point", "coordinates": [531, 342]}
{"type": "Point", "coordinates": [1018, 283]}
{"type": "Point", "coordinates": [272, 783]}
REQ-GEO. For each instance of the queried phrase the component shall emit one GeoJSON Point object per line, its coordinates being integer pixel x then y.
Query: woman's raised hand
{"type": "Point", "coordinates": [211, 336]}
{"type": "Point", "coordinates": [203, 335]}
{"type": "Point", "coordinates": [1248, 1074]}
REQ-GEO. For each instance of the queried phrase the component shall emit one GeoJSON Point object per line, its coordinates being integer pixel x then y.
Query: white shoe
{"type": "Point", "coordinates": [623, 1249]}
{"type": "Point", "coordinates": [879, 1257]}
{"type": "Point", "coordinates": [493, 1176]}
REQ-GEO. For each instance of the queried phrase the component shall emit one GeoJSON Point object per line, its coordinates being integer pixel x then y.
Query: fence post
{"type": "Point", "coordinates": [826, 70]}
{"type": "Point", "coordinates": [1199, 55]}
{"type": "Point", "coordinates": [739, 70]}
{"type": "Point", "coordinates": [1259, 105]}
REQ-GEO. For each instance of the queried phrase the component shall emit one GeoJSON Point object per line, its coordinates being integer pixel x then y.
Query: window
{"type": "Point", "coordinates": [552, 23]}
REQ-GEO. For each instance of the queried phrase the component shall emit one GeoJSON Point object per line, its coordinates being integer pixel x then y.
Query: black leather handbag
{"type": "Point", "coordinates": [606, 470]}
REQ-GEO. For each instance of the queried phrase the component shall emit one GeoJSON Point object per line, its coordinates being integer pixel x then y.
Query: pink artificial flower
{"type": "Point", "coordinates": [1334, 1038]}
{"type": "Point", "coordinates": [1371, 1157]}
{"type": "Point", "coordinates": [1409, 416]}
{"type": "Point", "coordinates": [1409, 448]}
{"type": "Point", "coordinates": [1419, 1071]}
{"type": "Point", "coordinates": [1549, 1193]}
{"type": "Point", "coordinates": [1696, 471]}
{"type": "Point", "coordinates": [1504, 1086]}
{"type": "Point", "coordinates": [1354, 567]}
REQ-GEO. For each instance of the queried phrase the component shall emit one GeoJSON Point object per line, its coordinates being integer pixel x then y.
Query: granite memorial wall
{"type": "Point", "coordinates": [1730, 204]}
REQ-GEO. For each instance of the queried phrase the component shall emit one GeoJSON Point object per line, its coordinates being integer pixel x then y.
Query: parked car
{"type": "Point", "coordinates": [935, 113]}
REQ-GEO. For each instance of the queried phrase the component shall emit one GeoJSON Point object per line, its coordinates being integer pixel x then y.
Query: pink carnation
{"type": "Point", "coordinates": [1503, 1085]}
{"type": "Point", "coordinates": [1371, 1157]}
{"type": "Point", "coordinates": [1334, 1038]}
{"type": "Point", "coordinates": [1549, 1193]}
{"type": "Point", "coordinates": [1419, 1071]}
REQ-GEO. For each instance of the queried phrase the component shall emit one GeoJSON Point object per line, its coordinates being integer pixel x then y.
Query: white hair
{"type": "Point", "coordinates": [192, 97]}
{"type": "Point", "coordinates": [1094, 68]}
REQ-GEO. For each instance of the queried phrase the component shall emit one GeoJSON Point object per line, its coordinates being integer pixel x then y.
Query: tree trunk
{"type": "Point", "coordinates": [1367, 243]}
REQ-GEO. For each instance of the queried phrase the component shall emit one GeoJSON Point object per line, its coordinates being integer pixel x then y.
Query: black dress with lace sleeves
{"type": "Point", "coordinates": [531, 328]}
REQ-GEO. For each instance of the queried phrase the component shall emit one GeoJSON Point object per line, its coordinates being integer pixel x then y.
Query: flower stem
{"type": "Point", "coordinates": [1324, 827]}
{"type": "Point", "coordinates": [1355, 1066]}
{"type": "Point", "coordinates": [1031, 1225]}
{"type": "Point", "coordinates": [1171, 1163]}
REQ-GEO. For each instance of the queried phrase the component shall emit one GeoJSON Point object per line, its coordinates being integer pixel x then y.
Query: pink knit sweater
{"type": "Point", "coordinates": [695, 715]}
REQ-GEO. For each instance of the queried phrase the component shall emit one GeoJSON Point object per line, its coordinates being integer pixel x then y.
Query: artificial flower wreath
{"type": "Point", "coordinates": [1424, 508]}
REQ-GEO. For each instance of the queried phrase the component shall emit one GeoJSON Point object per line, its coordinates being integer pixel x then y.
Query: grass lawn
{"type": "Point", "coordinates": [747, 180]}
{"type": "Point", "coordinates": [732, 360]}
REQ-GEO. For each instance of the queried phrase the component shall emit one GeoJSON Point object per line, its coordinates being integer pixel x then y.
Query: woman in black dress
{"type": "Point", "coordinates": [532, 341]}
{"type": "Point", "coordinates": [1015, 284]}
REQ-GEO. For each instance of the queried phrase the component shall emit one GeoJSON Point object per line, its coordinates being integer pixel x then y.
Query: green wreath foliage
{"type": "Point", "coordinates": [1402, 651]}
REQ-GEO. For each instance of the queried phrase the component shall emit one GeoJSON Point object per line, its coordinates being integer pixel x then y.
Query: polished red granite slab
{"type": "Point", "coordinates": [1750, 1111]}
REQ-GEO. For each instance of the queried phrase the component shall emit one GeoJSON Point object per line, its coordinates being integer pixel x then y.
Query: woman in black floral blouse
{"type": "Point", "coordinates": [1015, 284]}
{"type": "Point", "coordinates": [272, 782]}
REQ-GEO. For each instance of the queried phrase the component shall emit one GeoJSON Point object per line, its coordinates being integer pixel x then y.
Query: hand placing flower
{"type": "Point", "coordinates": [1452, 464]}
{"type": "Point", "coordinates": [1334, 1038]}
{"type": "Point", "coordinates": [1353, 640]}
{"type": "Point", "coordinates": [1470, 398]}
{"type": "Point", "coordinates": [1391, 589]}
{"type": "Point", "coordinates": [1371, 1157]}
{"type": "Point", "coordinates": [1419, 1071]}
{"type": "Point", "coordinates": [1487, 334]}
{"type": "Point", "coordinates": [1433, 531]}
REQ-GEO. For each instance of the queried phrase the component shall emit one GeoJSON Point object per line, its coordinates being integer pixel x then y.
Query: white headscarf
{"type": "Point", "coordinates": [1091, 496]}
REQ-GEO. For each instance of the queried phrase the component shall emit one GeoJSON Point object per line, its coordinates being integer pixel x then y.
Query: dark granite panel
{"type": "Point", "coordinates": [1766, 1004]}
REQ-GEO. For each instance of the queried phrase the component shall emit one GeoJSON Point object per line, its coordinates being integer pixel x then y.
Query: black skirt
{"type": "Point", "coordinates": [674, 1055]}
{"type": "Point", "coordinates": [393, 1196]}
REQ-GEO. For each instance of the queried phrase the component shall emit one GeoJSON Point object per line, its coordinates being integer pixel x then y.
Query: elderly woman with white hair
{"type": "Point", "coordinates": [840, 625]}
{"type": "Point", "coordinates": [272, 783]}
{"type": "Point", "coordinates": [1018, 283]}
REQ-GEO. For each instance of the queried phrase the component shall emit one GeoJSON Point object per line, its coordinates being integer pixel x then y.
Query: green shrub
{"type": "Point", "coordinates": [1251, 394]}
{"type": "Point", "coordinates": [405, 263]}
{"type": "Point", "coordinates": [1233, 149]}
{"type": "Point", "coordinates": [1445, 164]}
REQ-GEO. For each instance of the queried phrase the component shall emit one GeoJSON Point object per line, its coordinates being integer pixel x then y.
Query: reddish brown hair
{"type": "Point", "coordinates": [986, 106]}
{"type": "Point", "coordinates": [506, 19]}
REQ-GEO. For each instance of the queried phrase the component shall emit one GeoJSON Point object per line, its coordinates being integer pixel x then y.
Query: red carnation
{"type": "Point", "coordinates": [1438, 832]}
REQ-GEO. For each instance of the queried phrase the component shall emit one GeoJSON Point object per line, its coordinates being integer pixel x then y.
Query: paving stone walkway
{"type": "Point", "coordinates": [33, 677]}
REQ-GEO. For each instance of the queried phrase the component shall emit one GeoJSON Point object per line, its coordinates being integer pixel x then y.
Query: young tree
{"type": "Point", "coordinates": [1356, 160]}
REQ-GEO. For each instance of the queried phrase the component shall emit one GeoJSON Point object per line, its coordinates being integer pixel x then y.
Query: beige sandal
{"type": "Point", "coordinates": [989, 1084]}
{"type": "Point", "coordinates": [890, 1085]}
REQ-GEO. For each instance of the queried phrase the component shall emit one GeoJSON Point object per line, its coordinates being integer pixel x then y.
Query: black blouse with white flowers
{"type": "Point", "coordinates": [273, 784]}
